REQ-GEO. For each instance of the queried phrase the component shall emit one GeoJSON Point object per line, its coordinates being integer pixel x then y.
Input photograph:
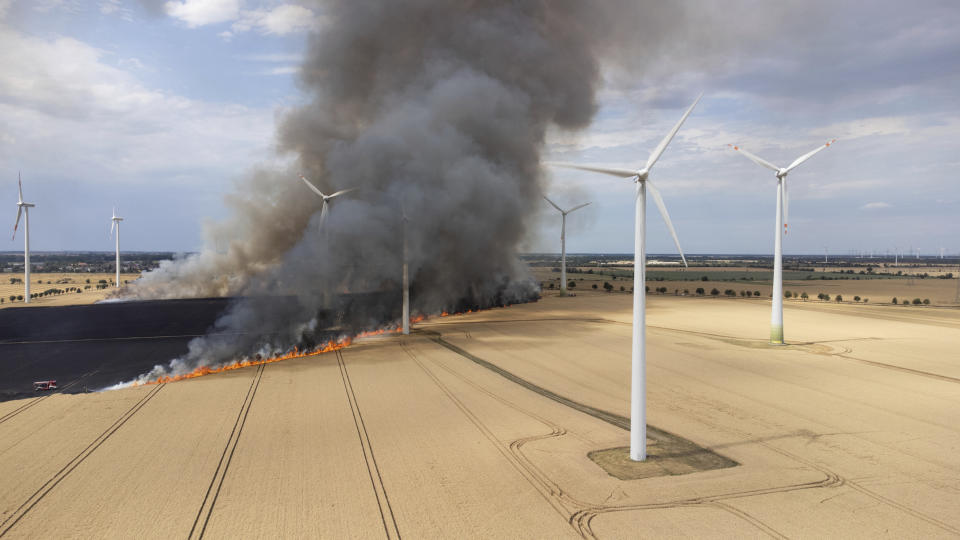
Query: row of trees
{"type": "Point", "coordinates": [916, 301]}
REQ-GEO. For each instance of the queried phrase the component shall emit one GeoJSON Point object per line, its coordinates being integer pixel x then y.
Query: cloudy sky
{"type": "Point", "coordinates": [160, 107]}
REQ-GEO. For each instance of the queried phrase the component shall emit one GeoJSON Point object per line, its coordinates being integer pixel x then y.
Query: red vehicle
{"type": "Point", "coordinates": [44, 385]}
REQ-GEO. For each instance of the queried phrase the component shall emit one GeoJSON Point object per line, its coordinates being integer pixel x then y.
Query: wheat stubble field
{"type": "Point", "coordinates": [471, 428]}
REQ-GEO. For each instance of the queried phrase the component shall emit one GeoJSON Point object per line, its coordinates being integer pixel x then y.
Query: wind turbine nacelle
{"type": "Point", "coordinates": [781, 173]}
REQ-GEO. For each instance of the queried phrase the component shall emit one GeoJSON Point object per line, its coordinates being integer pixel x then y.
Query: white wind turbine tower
{"type": "Point", "coordinates": [405, 284]}
{"type": "Point", "coordinates": [776, 316]}
{"type": "Point", "coordinates": [115, 223]}
{"type": "Point", "coordinates": [24, 208]}
{"type": "Point", "coordinates": [638, 385]}
{"type": "Point", "coordinates": [563, 242]}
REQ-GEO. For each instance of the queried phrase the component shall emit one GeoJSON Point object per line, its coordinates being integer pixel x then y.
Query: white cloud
{"type": "Point", "coordinates": [104, 122]}
{"type": "Point", "coordinates": [875, 206]}
{"type": "Point", "coordinates": [196, 13]}
{"type": "Point", "coordinates": [281, 20]}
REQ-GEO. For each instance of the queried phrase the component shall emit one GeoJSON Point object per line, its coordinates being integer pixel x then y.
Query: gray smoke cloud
{"type": "Point", "coordinates": [436, 107]}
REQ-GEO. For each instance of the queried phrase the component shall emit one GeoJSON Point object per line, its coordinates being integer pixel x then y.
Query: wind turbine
{"type": "Point", "coordinates": [776, 316]}
{"type": "Point", "coordinates": [638, 385]}
{"type": "Point", "coordinates": [115, 223]}
{"type": "Point", "coordinates": [324, 210]}
{"type": "Point", "coordinates": [24, 208]}
{"type": "Point", "coordinates": [326, 198]}
{"type": "Point", "coordinates": [563, 242]}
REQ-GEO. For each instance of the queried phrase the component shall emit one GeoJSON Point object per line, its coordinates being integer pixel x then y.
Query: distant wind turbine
{"type": "Point", "coordinates": [115, 223]}
{"type": "Point", "coordinates": [24, 208]}
{"type": "Point", "coordinates": [776, 317]}
{"type": "Point", "coordinates": [324, 210]}
{"type": "Point", "coordinates": [326, 198]}
{"type": "Point", "coordinates": [638, 385]}
{"type": "Point", "coordinates": [563, 242]}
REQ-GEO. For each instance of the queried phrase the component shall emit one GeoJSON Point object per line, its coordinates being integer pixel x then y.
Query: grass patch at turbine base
{"type": "Point", "coordinates": [667, 455]}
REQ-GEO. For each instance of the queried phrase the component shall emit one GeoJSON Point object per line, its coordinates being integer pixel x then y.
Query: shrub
{"type": "Point", "coordinates": [704, 278]}
{"type": "Point", "coordinates": [756, 293]}
{"type": "Point", "coordinates": [622, 288]}
{"type": "Point", "coordinates": [699, 291]}
{"type": "Point", "coordinates": [856, 298]}
{"type": "Point", "coordinates": [714, 292]}
{"type": "Point", "coordinates": [787, 294]}
{"type": "Point", "coordinates": [594, 285]}
{"type": "Point", "coordinates": [804, 295]}
{"type": "Point", "coordinates": [13, 297]}
{"type": "Point", "coordinates": [917, 301]}
{"type": "Point", "coordinates": [571, 284]}
{"type": "Point", "coordinates": [839, 298]}
{"type": "Point", "coordinates": [926, 301]}
{"type": "Point", "coordinates": [894, 301]}
{"type": "Point", "coordinates": [607, 286]}
{"type": "Point", "coordinates": [19, 297]}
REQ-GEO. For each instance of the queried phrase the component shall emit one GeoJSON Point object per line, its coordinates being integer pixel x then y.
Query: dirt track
{"type": "Point", "coordinates": [851, 431]}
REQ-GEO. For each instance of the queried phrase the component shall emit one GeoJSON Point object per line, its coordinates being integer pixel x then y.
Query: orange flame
{"type": "Point", "coordinates": [295, 353]}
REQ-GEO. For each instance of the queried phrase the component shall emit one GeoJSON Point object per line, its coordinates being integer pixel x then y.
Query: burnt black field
{"type": "Point", "coordinates": [90, 347]}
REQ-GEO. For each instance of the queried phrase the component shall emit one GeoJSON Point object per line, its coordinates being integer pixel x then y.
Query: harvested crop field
{"type": "Point", "coordinates": [483, 425]}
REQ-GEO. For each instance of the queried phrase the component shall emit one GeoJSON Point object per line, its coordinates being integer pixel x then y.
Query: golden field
{"type": "Point", "coordinates": [849, 431]}
{"type": "Point", "coordinates": [40, 282]}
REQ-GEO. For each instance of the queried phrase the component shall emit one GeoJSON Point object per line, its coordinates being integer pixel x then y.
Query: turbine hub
{"type": "Point", "coordinates": [781, 173]}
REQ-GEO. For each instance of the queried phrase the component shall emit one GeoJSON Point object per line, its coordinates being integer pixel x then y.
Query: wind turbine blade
{"type": "Point", "coordinates": [808, 155]}
{"type": "Point", "coordinates": [619, 173]}
{"type": "Point", "coordinates": [17, 224]}
{"type": "Point", "coordinates": [311, 186]}
{"type": "Point", "coordinates": [755, 158]}
{"type": "Point", "coordinates": [666, 217]}
{"type": "Point", "coordinates": [112, 225]}
{"type": "Point", "coordinates": [19, 188]}
{"type": "Point", "coordinates": [341, 192]}
{"type": "Point", "coordinates": [553, 204]}
{"type": "Point", "coordinates": [323, 213]}
{"type": "Point", "coordinates": [666, 140]}
{"type": "Point", "coordinates": [579, 206]}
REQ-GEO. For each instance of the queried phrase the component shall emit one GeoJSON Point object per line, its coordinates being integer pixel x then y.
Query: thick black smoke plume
{"type": "Point", "coordinates": [435, 110]}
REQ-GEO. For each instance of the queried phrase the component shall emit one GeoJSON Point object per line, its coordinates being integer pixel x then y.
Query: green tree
{"type": "Point", "coordinates": [839, 298]}
{"type": "Point", "coordinates": [13, 297]}
{"type": "Point", "coordinates": [804, 295]}
{"type": "Point", "coordinates": [856, 298]}
{"type": "Point", "coordinates": [894, 300]}
{"type": "Point", "coordinates": [787, 294]}
{"type": "Point", "coordinates": [756, 293]}
{"type": "Point", "coordinates": [699, 291]}
{"type": "Point", "coordinates": [607, 286]}
{"type": "Point", "coordinates": [714, 292]}
{"type": "Point", "coordinates": [926, 301]}
{"type": "Point", "coordinates": [917, 301]}
{"type": "Point", "coordinates": [704, 278]}
{"type": "Point", "coordinates": [19, 297]}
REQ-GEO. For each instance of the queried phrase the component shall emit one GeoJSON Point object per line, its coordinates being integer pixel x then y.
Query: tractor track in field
{"type": "Point", "coordinates": [219, 475]}
{"type": "Point", "coordinates": [759, 343]}
{"type": "Point", "coordinates": [387, 517]}
{"type": "Point", "coordinates": [30, 403]}
{"type": "Point", "coordinates": [582, 518]}
{"type": "Point", "coordinates": [50, 484]}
